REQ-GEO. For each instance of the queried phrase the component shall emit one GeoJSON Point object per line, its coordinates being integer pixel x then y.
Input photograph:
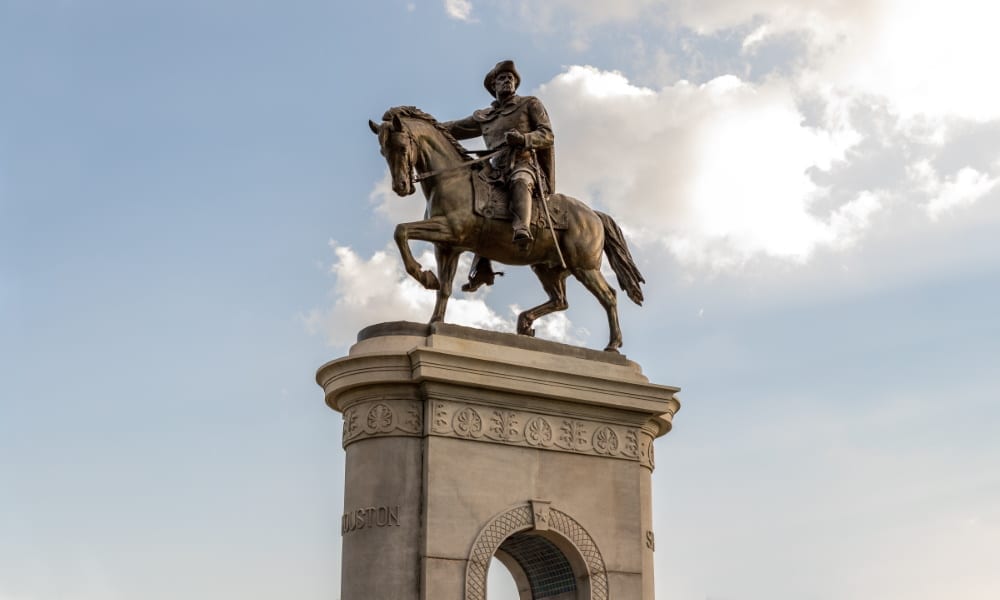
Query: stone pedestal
{"type": "Point", "coordinates": [463, 445]}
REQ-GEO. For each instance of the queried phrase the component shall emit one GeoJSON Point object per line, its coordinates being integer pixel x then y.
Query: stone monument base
{"type": "Point", "coordinates": [463, 445]}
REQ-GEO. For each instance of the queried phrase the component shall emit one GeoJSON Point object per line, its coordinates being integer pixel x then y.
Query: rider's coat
{"type": "Point", "coordinates": [521, 113]}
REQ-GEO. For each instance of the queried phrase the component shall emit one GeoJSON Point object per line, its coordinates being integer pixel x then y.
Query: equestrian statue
{"type": "Point", "coordinates": [501, 205]}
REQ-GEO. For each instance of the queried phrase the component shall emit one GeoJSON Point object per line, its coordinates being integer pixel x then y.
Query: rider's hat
{"type": "Point", "coordinates": [504, 66]}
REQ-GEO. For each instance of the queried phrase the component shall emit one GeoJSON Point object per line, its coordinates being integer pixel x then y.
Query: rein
{"type": "Point", "coordinates": [422, 176]}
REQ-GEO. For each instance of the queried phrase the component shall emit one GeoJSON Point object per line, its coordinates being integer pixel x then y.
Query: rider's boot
{"type": "Point", "coordinates": [481, 273]}
{"type": "Point", "coordinates": [520, 205]}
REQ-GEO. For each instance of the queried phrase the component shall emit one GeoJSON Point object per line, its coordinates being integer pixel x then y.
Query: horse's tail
{"type": "Point", "coordinates": [620, 258]}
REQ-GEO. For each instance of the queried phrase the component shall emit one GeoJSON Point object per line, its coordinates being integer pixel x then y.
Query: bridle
{"type": "Point", "coordinates": [475, 161]}
{"type": "Point", "coordinates": [415, 178]}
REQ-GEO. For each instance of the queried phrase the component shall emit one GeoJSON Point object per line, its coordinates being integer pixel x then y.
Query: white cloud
{"type": "Point", "coordinates": [556, 327]}
{"type": "Point", "coordinates": [923, 56]}
{"type": "Point", "coordinates": [394, 208]}
{"type": "Point", "coordinates": [458, 9]}
{"type": "Point", "coordinates": [718, 172]}
{"type": "Point", "coordinates": [967, 187]}
{"type": "Point", "coordinates": [853, 217]}
{"type": "Point", "coordinates": [377, 289]}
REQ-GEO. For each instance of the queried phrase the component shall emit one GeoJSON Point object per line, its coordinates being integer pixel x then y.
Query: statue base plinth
{"type": "Point", "coordinates": [464, 444]}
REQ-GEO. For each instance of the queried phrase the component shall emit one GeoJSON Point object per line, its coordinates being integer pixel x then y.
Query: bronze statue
{"type": "Point", "coordinates": [519, 128]}
{"type": "Point", "coordinates": [467, 208]}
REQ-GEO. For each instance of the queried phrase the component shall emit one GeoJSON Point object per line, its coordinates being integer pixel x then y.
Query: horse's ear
{"type": "Point", "coordinates": [397, 125]}
{"type": "Point", "coordinates": [373, 126]}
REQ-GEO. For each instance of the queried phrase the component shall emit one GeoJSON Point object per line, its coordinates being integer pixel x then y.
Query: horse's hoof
{"type": "Point", "coordinates": [524, 326]}
{"type": "Point", "coordinates": [612, 349]}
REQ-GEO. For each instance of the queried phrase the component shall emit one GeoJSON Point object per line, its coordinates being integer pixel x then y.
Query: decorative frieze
{"type": "Point", "coordinates": [534, 430]}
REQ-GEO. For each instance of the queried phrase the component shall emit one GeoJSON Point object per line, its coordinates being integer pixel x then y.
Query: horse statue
{"type": "Point", "coordinates": [410, 140]}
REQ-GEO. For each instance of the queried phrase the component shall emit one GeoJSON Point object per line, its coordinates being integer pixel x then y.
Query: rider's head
{"type": "Point", "coordinates": [502, 80]}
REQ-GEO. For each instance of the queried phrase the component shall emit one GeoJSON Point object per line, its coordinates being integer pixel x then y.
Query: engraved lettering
{"type": "Point", "coordinates": [369, 518]}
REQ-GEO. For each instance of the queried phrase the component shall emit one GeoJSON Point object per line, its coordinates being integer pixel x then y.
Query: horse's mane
{"type": "Point", "coordinates": [415, 113]}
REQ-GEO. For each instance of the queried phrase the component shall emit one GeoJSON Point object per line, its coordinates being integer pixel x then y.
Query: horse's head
{"type": "Point", "coordinates": [397, 146]}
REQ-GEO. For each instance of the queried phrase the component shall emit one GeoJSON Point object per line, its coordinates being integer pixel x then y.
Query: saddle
{"type": "Point", "coordinates": [491, 200]}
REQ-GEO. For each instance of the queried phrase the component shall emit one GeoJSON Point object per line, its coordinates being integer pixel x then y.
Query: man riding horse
{"type": "Point", "coordinates": [519, 127]}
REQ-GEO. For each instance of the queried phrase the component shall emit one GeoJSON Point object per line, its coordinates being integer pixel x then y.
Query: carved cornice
{"type": "Point", "coordinates": [488, 369]}
{"type": "Point", "coordinates": [585, 386]}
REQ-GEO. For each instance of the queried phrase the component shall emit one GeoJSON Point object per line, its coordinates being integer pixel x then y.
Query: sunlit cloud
{"type": "Point", "coordinates": [965, 188]}
{"type": "Point", "coordinates": [717, 172]}
{"type": "Point", "coordinates": [377, 289]}
{"type": "Point", "coordinates": [460, 10]}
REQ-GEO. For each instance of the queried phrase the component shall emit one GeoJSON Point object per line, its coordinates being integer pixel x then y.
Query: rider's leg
{"type": "Point", "coordinates": [520, 205]}
{"type": "Point", "coordinates": [480, 273]}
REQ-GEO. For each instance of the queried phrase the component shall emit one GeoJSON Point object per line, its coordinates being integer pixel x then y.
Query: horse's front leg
{"type": "Point", "coordinates": [429, 230]}
{"type": "Point", "coordinates": [447, 260]}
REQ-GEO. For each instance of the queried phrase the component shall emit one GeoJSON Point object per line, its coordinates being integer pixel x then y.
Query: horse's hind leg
{"type": "Point", "coordinates": [554, 281]}
{"type": "Point", "coordinates": [595, 282]}
{"type": "Point", "coordinates": [447, 262]}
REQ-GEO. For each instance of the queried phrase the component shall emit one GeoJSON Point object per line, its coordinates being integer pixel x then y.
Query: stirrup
{"type": "Point", "coordinates": [522, 235]}
{"type": "Point", "coordinates": [480, 279]}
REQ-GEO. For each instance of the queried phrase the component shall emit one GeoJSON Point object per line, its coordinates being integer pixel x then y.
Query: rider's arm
{"type": "Point", "coordinates": [464, 129]}
{"type": "Point", "coordinates": [541, 134]}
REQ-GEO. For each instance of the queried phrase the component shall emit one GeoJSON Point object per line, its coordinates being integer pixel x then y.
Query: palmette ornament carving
{"type": "Point", "coordinates": [534, 430]}
{"type": "Point", "coordinates": [380, 418]}
{"type": "Point", "coordinates": [605, 441]}
{"type": "Point", "coordinates": [467, 423]}
{"type": "Point", "coordinates": [538, 432]}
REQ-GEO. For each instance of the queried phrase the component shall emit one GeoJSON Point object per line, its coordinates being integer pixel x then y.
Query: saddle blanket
{"type": "Point", "coordinates": [491, 202]}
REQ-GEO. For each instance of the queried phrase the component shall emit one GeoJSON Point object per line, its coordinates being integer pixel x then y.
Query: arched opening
{"type": "Point", "coordinates": [543, 567]}
{"type": "Point", "coordinates": [557, 562]}
{"type": "Point", "coordinates": [528, 566]}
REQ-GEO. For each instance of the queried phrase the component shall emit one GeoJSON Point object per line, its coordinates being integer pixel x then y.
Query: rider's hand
{"type": "Point", "coordinates": [514, 138]}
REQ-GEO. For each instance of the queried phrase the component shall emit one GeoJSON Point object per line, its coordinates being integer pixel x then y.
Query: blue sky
{"type": "Point", "coordinates": [194, 216]}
